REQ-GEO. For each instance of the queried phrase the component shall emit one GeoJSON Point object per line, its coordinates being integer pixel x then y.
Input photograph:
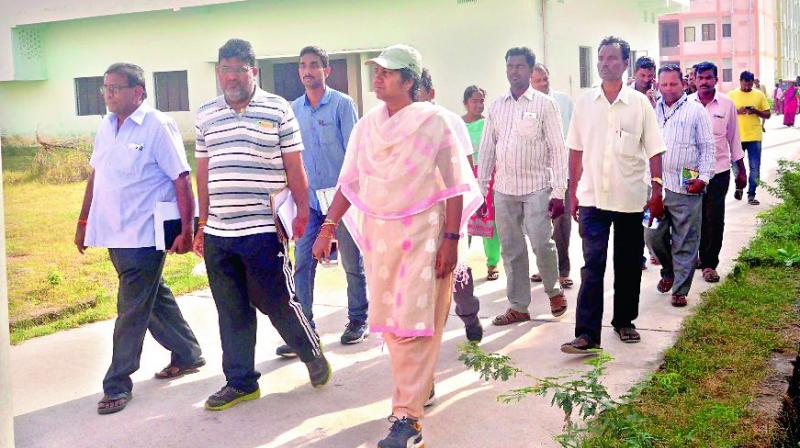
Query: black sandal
{"type": "Point", "coordinates": [104, 406]}
{"type": "Point", "coordinates": [172, 371]}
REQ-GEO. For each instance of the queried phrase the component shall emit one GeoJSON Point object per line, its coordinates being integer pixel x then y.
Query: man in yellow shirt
{"type": "Point", "coordinates": [751, 107]}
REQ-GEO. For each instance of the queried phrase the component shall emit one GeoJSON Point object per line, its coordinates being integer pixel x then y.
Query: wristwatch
{"type": "Point", "coordinates": [452, 236]}
{"type": "Point", "coordinates": [657, 180]}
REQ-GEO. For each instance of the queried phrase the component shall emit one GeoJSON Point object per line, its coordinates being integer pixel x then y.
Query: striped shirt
{"type": "Point", "coordinates": [686, 130]}
{"type": "Point", "coordinates": [523, 145]}
{"type": "Point", "coordinates": [245, 161]}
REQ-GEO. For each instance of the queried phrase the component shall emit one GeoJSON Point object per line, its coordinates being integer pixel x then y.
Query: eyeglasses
{"type": "Point", "coordinates": [113, 89]}
{"type": "Point", "coordinates": [240, 70]}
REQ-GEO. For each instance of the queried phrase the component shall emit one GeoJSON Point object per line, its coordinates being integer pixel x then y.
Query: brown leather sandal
{"type": "Point", "coordinates": [492, 273]}
{"type": "Point", "coordinates": [558, 305]}
{"type": "Point", "coordinates": [172, 371]}
{"type": "Point", "coordinates": [511, 317]}
{"type": "Point", "coordinates": [679, 300]}
{"type": "Point", "coordinates": [710, 275]}
{"type": "Point", "coordinates": [665, 284]}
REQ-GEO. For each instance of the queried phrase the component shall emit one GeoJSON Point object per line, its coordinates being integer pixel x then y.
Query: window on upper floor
{"type": "Point", "coordinates": [88, 99]}
{"type": "Point", "coordinates": [668, 33]}
{"type": "Point", "coordinates": [709, 31]}
{"type": "Point", "coordinates": [172, 91]}
{"type": "Point", "coordinates": [689, 34]}
{"type": "Point", "coordinates": [727, 75]}
{"type": "Point", "coordinates": [726, 30]}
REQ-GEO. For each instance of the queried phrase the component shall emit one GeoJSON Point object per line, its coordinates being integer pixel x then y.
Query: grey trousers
{"type": "Point", "coordinates": [562, 227]}
{"type": "Point", "coordinates": [676, 240]}
{"type": "Point", "coordinates": [517, 216]}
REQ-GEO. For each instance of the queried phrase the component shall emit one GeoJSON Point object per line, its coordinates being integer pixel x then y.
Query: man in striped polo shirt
{"type": "Point", "coordinates": [248, 147]}
{"type": "Point", "coordinates": [688, 167]}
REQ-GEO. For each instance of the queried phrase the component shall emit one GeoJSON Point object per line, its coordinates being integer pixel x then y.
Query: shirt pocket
{"type": "Point", "coordinates": [529, 125]}
{"type": "Point", "coordinates": [629, 144]}
{"type": "Point", "coordinates": [127, 158]}
{"type": "Point", "coordinates": [265, 138]}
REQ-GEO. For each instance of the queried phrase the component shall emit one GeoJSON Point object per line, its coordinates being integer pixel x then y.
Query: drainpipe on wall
{"type": "Point", "coordinates": [543, 7]}
{"type": "Point", "coordinates": [6, 411]}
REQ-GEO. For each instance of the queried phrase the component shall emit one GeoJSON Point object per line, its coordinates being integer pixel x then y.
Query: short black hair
{"type": "Point", "coordinates": [469, 91]}
{"type": "Point", "coordinates": [132, 72]}
{"type": "Point", "coordinates": [747, 76]}
{"type": "Point", "coordinates": [239, 49]}
{"type": "Point", "coordinates": [623, 45]}
{"type": "Point", "coordinates": [530, 58]}
{"type": "Point", "coordinates": [706, 66]}
{"type": "Point", "coordinates": [425, 80]}
{"type": "Point", "coordinates": [406, 74]}
{"type": "Point", "coordinates": [645, 62]}
{"type": "Point", "coordinates": [671, 68]}
{"type": "Point", "coordinates": [322, 54]}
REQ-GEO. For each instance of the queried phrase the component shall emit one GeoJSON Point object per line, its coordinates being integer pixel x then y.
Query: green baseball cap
{"type": "Point", "coordinates": [399, 56]}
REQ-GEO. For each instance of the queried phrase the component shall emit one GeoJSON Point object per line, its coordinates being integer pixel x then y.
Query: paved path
{"type": "Point", "coordinates": [57, 378]}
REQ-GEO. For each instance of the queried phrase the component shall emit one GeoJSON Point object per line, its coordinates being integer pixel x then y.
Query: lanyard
{"type": "Point", "coordinates": [664, 112]}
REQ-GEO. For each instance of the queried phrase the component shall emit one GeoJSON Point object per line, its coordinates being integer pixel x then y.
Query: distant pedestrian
{"type": "Point", "coordinates": [751, 106]}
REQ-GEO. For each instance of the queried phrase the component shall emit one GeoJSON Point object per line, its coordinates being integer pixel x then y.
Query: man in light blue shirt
{"type": "Point", "coordinates": [326, 117]}
{"type": "Point", "coordinates": [137, 161]}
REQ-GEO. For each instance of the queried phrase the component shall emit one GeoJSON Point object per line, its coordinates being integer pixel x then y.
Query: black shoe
{"type": "Point", "coordinates": [738, 194]}
{"type": "Point", "coordinates": [284, 351]}
{"type": "Point", "coordinates": [319, 371]}
{"type": "Point", "coordinates": [474, 332]}
{"type": "Point", "coordinates": [404, 433]}
{"type": "Point", "coordinates": [431, 398]}
{"type": "Point", "coordinates": [230, 396]}
{"type": "Point", "coordinates": [354, 332]}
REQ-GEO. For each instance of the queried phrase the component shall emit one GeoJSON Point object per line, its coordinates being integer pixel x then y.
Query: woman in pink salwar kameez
{"type": "Point", "coordinates": [405, 193]}
{"type": "Point", "coordinates": [790, 103]}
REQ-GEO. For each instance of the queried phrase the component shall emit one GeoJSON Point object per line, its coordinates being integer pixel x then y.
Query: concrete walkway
{"type": "Point", "coordinates": [57, 378]}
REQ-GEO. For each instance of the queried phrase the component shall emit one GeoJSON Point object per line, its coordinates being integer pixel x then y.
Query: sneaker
{"type": "Point", "coordinates": [404, 433]}
{"type": "Point", "coordinates": [319, 371]}
{"type": "Point", "coordinates": [354, 332]}
{"type": "Point", "coordinates": [431, 398]}
{"type": "Point", "coordinates": [284, 351]}
{"type": "Point", "coordinates": [474, 332]}
{"type": "Point", "coordinates": [230, 396]}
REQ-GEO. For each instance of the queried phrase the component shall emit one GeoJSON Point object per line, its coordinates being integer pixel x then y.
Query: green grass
{"type": "Point", "coordinates": [45, 270]}
{"type": "Point", "coordinates": [704, 392]}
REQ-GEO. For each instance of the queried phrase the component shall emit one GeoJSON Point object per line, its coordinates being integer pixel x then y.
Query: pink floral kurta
{"type": "Point", "coordinates": [397, 174]}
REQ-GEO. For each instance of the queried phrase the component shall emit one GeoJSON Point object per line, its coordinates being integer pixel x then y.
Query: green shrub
{"type": "Point", "coordinates": [57, 165]}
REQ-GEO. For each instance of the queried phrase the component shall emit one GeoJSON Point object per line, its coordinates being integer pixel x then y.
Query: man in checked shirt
{"type": "Point", "coordinates": [687, 169]}
{"type": "Point", "coordinates": [523, 144]}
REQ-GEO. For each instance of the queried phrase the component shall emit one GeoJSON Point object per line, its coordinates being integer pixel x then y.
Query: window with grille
{"type": "Point", "coordinates": [689, 34]}
{"type": "Point", "coordinates": [585, 55]}
{"type": "Point", "coordinates": [172, 91]}
{"type": "Point", "coordinates": [727, 75]}
{"type": "Point", "coordinates": [709, 31]}
{"type": "Point", "coordinates": [668, 34]}
{"type": "Point", "coordinates": [726, 30]}
{"type": "Point", "coordinates": [88, 99]}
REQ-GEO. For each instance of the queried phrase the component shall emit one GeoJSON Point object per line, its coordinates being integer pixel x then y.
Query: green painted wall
{"type": "Point", "coordinates": [462, 44]}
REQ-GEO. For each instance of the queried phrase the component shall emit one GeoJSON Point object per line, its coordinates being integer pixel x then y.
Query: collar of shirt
{"type": "Point", "coordinates": [624, 94]}
{"type": "Point", "coordinates": [663, 108]}
{"type": "Point", "coordinates": [326, 98]}
{"type": "Point", "coordinates": [528, 94]}
{"type": "Point", "coordinates": [137, 116]}
{"type": "Point", "coordinates": [696, 97]}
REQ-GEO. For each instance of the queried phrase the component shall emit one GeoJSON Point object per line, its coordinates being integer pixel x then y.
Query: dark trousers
{"type": "Point", "coordinates": [467, 304]}
{"type": "Point", "coordinates": [753, 151]}
{"type": "Point", "coordinates": [248, 273]}
{"type": "Point", "coordinates": [144, 302]}
{"type": "Point", "coordinates": [713, 226]}
{"type": "Point", "coordinates": [594, 228]}
{"type": "Point", "coordinates": [562, 228]}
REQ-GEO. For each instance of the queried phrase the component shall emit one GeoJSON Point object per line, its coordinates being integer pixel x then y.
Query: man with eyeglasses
{"type": "Point", "coordinates": [248, 148]}
{"type": "Point", "coordinates": [137, 161]}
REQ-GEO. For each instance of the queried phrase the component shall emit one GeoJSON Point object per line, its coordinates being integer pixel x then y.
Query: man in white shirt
{"type": "Point", "coordinates": [612, 137]}
{"type": "Point", "coordinates": [138, 160]}
{"type": "Point", "coordinates": [562, 226]}
{"type": "Point", "coordinates": [523, 144]}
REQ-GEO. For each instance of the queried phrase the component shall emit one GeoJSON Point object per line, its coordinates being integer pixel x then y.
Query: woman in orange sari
{"type": "Point", "coordinates": [405, 193]}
